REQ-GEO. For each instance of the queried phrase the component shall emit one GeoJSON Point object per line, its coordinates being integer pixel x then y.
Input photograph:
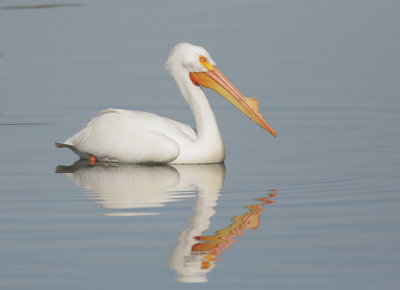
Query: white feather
{"type": "Point", "coordinates": [141, 137]}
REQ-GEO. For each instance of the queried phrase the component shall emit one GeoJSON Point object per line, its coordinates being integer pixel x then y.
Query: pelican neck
{"type": "Point", "coordinates": [206, 122]}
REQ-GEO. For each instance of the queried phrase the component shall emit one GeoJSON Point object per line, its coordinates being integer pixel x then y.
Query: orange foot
{"type": "Point", "coordinates": [92, 160]}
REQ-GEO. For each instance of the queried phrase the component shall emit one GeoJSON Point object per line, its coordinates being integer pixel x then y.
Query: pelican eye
{"type": "Point", "coordinates": [204, 62]}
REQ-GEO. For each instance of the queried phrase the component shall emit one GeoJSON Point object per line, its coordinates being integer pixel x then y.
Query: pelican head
{"type": "Point", "coordinates": [198, 65]}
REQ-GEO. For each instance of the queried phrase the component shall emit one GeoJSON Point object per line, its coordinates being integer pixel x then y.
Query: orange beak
{"type": "Point", "coordinates": [215, 80]}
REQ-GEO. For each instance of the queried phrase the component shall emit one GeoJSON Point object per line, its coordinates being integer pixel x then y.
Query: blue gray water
{"type": "Point", "coordinates": [315, 208]}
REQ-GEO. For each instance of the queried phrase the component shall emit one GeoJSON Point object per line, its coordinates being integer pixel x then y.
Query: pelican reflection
{"type": "Point", "coordinates": [138, 189]}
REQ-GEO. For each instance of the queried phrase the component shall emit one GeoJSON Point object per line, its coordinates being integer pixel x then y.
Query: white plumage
{"type": "Point", "coordinates": [140, 137]}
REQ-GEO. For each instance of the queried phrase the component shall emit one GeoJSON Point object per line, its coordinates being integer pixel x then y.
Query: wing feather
{"type": "Point", "coordinates": [129, 136]}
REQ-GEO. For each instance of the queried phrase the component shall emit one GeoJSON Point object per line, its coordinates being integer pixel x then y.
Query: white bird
{"type": "Point", "coordinates": [140, 137]}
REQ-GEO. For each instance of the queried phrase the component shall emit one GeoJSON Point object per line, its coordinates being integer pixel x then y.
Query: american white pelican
{"type": "Point", "coordinates": [140, 137]}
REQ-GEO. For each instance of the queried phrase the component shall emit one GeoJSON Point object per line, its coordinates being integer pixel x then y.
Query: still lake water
{"type": "Point", "coordinates": [316, 208]}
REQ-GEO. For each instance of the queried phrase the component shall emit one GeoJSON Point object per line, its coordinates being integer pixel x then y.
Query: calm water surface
{"type": "Point", "coordinates": [315, 208]}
